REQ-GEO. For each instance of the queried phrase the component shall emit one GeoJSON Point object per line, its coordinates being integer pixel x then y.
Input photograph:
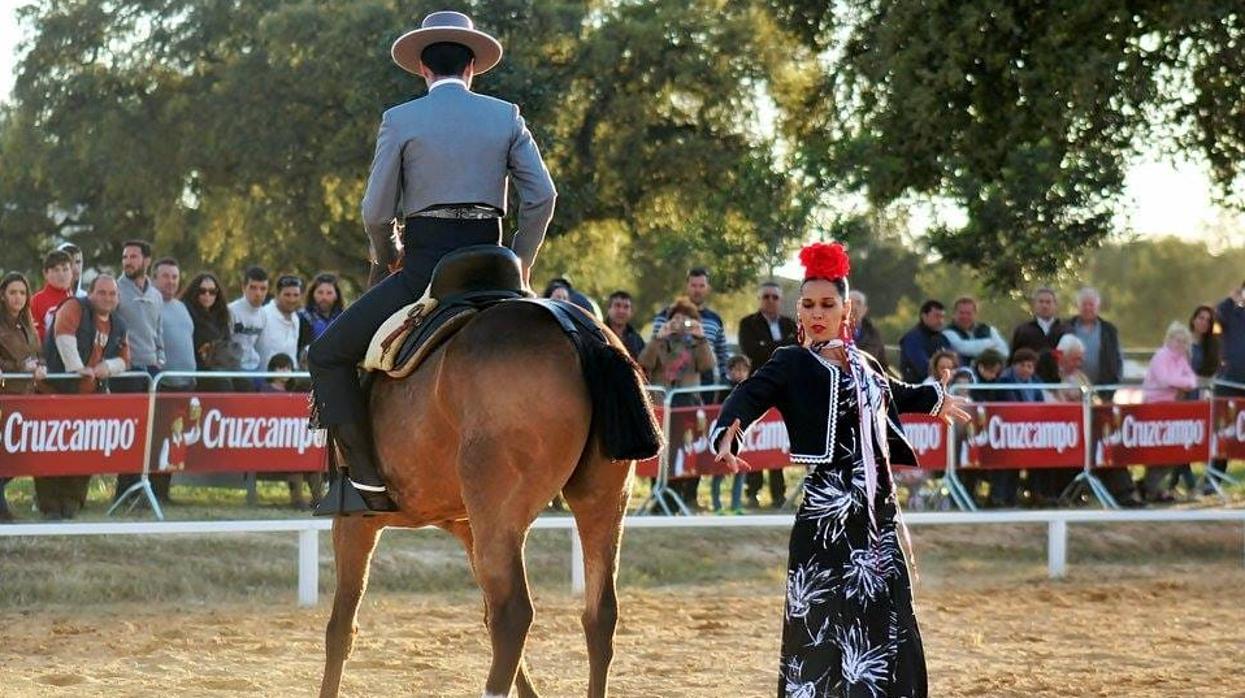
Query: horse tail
{"type": "Point", "coordinates": [622, 415]}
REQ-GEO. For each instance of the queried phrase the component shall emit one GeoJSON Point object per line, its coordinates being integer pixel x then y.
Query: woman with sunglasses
{"type": "Point", "coordinates": [204, 298]}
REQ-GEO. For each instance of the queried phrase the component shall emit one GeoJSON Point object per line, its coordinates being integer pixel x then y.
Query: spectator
{"type": "Point", "coordinates": [140, 308]}
{"type": "Point", "coordinates": [698, 290]}
{"type": "Point", "coordinates": [278, 363]}
{"type": "Point", "coordinates": [767, 329]}
{"type": "Point", "coordinates": [284, 332]}
{"type": "Point", "coordinates": [678, 357]}
{"type": "Point", "coordinates": [865, 333]}
{"type": "Point", "coordinates": [1231, 312]}
{"type": "Point", "coordinates": [19, 350]}
{"type": "Point", "coordinates": [214, 348]}
{"type": "Point", "coordinates": [324, 303]}
{"type": "Point", "coordinates": [1104, 363]}
{"type": "Point", "coordinates": [1204, 350]}
{"type": "Point", "coordinates": [618, 317]}
{"type": "Point", "coordinates": [942, 360]}
{"type": "Point", "coordinates": [57, 275]}
{"type": "Point", "coordinates": [247, 317]}
{"type": "Point", "coordinates": [571, 295]}
{"type": "Point", "coordinates": [919, 345]}
{"type": "Point", "coordinates": [986, 370]}
{"type": "Point", "coordinates": [1042, 333]}
{"type": "Point", "coordinates": [1049, 484]}
{"type": "Point", "coordinates": [88, 338]}
{"type": "Point", "coordinates": [1168, 378]}
{"type": "Point", "coordinates": [282, 363]}
{"type": "Point", "coordinates": [759, 335]}
{"type": "Point", "coordinates": [177, 328]}
{"type": "Point", "coordinates": [75, 264]}
{"type": "Point", "coordinates": [1022, 370]}
{"type": "Point", "coordinates": [968, 337]}
{"type": "Point", "coordinates": [177, 331]}
{"type": "Point", "coordinates": [737, 371]}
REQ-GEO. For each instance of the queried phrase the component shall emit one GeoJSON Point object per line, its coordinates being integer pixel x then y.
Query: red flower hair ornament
{"type": "Point", "coordinates": [825, 260]}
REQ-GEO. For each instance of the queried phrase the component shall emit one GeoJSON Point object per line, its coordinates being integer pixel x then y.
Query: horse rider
{"type": "Point", "coordinates": [441, 169]}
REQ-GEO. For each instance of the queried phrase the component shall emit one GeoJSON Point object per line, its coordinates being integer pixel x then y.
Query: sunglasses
{"type": "Point", "coordinates": [208, 291]}
{"type": "Point", "coordinates": [771, 297]}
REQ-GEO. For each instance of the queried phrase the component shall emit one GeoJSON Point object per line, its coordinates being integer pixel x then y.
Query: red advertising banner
{"type": "Point", "coordinates": [47, 435]}
{"type": "Point", "coordinates": [234, 432]}
{"type": "Point", "coordinates": [765, 445]}
{"type": "Point", "coordinates": [928, 436]}
{"type": "Point", "coordinates": [1229, 420]}
{"type": "Point", "coordinates": [1025, 435]}
{"type": "Point", "coordinates": [1154, 433]}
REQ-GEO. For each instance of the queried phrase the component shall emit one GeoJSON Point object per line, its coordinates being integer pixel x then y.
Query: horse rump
{"type": "Point", "coordinates": [622, 415]}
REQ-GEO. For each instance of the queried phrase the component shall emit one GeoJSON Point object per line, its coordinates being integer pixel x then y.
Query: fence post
{"type": "Point", "coordinates": [577, 562]}
{"type": "Point", "coordinates": [308, 567]}
{"type": "Point", "coordinates": [1057, 548]}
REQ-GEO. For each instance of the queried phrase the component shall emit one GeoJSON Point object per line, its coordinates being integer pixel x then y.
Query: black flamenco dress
{"type": "Point", "coordinates": [849, 628]}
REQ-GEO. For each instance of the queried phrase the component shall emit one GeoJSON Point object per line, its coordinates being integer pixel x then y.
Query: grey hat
{"type": "Point", "coordinates": [446, 27]}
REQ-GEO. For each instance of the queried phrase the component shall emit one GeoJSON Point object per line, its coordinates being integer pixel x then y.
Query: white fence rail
{"type": "Point", "coordinates": [309, 543]}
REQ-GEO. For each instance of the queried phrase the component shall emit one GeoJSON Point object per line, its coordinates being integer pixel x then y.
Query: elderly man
{"type": "Point", "coordinates": [1104, 363]}
{"type": "Point", "coordinates": [864, 332]}
{"type": "Point", "coordinates": [90, 339]}
{"type": "Point", "coordinates": [759, 335]}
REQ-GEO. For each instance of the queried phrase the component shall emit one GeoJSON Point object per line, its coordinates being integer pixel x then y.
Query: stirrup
{"type": "Point", "coordinates": [345, 499]}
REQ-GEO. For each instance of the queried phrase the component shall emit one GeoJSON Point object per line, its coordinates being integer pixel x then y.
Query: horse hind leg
{"type": "Point", "coordinates": [354, 539]}
{"type": "Point", "coordinates": [462, 531]}
{"type": "Point", "coordinates": [597, 493]}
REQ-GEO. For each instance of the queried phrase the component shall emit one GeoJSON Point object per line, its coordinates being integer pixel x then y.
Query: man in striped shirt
{"type": "Point", "coordinates": [697, 291]}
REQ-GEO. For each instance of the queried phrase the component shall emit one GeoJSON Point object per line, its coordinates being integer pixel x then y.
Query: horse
{"type": "Point", "coordinates": [498, 421]}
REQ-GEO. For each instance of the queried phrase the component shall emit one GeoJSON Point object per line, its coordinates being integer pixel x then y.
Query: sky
{"type": "Point", "coordinates": [1161, 198]}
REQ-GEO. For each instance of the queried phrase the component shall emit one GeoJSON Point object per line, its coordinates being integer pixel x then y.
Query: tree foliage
{"type": "Point", "coordinates": [233, 131]}
{"type": "Point", "coordinates": [1024, 114]}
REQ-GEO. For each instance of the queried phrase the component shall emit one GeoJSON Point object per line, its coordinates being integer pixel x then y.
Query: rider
{"type": "Point", "coordinates": [441, 168]}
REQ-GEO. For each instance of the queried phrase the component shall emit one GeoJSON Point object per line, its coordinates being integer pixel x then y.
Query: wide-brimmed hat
{"type": "Point", "coordinates": [446, 27]}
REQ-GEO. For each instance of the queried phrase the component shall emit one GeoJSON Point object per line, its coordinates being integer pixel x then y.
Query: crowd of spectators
{"type": "Point", "coordinates": [103, 336]}
{"type": "Point", "coordinates": [147, 321]}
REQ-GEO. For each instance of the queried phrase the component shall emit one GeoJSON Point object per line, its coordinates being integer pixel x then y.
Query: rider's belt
{"type": "Point", "coordinates": [466, 212]}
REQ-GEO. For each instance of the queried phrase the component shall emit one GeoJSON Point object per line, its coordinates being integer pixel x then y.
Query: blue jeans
{"type": "Point", "coordinates": [737, 492]}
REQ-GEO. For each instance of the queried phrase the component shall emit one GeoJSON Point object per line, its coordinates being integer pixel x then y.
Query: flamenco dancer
{"type": "Point", "coordinates": [849, 629]}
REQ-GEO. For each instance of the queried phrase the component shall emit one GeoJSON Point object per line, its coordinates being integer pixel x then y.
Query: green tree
{"type": "Point", "coordinates": [1024, 114]}
{"type": "Point", "coordinates": [231, 132]}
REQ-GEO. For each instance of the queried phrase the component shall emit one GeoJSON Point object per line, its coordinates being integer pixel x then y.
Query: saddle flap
{"type": "Point", "coordinates": [383, 350]}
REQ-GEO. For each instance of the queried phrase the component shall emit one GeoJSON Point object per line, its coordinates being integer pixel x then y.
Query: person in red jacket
{"type": "Point", "coordinates": [57, 278]}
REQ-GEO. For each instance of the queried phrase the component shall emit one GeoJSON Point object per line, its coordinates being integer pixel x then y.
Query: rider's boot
{"type": "Point", "coordinates": [358, 488]}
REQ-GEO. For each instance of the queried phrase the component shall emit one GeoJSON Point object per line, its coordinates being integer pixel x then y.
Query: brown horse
{"type": "Point", "coordinates": [477, 442]}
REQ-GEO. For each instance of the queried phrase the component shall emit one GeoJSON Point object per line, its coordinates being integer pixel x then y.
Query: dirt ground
{"type": "Point", "coordinates": [1162, 634]}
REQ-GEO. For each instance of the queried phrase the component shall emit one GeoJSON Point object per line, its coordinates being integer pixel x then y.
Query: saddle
{"type": "Point", "coordinates": [464, 283]}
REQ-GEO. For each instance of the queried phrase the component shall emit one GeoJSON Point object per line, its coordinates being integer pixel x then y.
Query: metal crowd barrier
{"type": "Point", "coordinates": [662, 495]}
{"type": "Point", "coordinates": [143, 486]}
{"type": "Point", "coordinates": [960, 494]}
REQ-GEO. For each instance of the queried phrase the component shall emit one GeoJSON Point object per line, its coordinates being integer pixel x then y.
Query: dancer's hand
{"type": "Point", "coordinates": [952, 409]}
{"type": "Point", "coordinates": [724, 455]}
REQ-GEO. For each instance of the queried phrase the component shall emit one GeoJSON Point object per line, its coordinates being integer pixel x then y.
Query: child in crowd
{"type": "Point", "coordinates": [737, 370]}
{"type": "Point", "coordinates": [279, 362]}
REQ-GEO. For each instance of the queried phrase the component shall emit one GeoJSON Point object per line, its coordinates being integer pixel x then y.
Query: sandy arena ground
{"type": "Point", "coordinates": [1157, 635]}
